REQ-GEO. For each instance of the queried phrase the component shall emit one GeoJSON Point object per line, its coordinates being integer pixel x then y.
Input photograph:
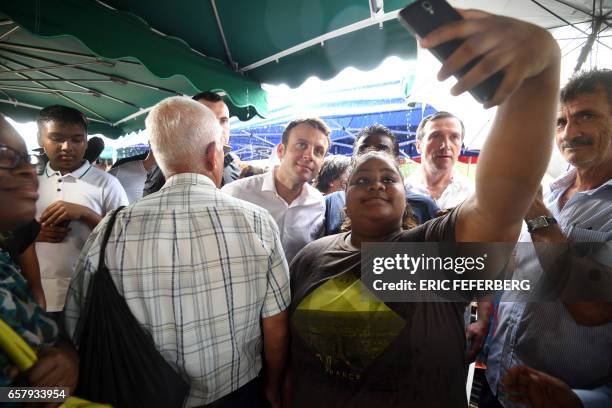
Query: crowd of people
{"type": "Point", "coordinates": [250, 286]}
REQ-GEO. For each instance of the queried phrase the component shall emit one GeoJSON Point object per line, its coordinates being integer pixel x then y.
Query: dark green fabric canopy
{"type": "Point", "coordinates": [258, 29]}
{"type": "Point", "coordinates": [115, 59]}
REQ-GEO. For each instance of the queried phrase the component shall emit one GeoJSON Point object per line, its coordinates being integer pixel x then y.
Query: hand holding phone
{"type": "Point", "coordinates": [491, 47]}
{"type": "Point", "coordinates": [425, 16]}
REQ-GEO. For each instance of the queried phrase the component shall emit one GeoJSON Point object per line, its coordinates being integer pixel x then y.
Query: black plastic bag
{"type": "Point", "coordinates": [119, 364]}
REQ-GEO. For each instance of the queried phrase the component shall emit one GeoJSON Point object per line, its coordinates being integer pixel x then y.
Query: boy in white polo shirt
{"type": "Point", "coordinates": [74, 196]}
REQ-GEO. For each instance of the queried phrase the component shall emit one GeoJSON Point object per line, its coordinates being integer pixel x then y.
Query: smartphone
{"type": "Point", "coordinates": [424, 16]}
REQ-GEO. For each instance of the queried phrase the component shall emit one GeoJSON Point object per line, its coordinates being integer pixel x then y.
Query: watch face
{"type": "Point", "coordinates": [539, 222]}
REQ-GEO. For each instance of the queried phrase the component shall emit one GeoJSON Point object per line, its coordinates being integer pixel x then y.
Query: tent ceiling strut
{"type": "Point", "coordinates": [55, 77]}
{"type": "Point", "coordinates": [57, 93]}
{"type": "Point", "coordinates": [261, 139]}
{"type": "Point", "coordinates": [106, 64]}
{"type": "Point", "coordinates": [133, 115]}
{"type": "Point", "coordinates": [322, 38]}
{"type": "Point", "coordinates": [45, 90]}
{"type": "Point", "coordinates": [589, 44]}
{"type": "Point", "coordinates": [575, 7]}
{"type": "Point", "coordinates": [60, 52]}
{"type": "Point", "coordinates": [9, 32]}
{"type": "Point", "coordinates": [228, 53]}
{"type": "Point", "coordinates": [91, 71]}
{"type": "Point", "coordinates": [568, 23]}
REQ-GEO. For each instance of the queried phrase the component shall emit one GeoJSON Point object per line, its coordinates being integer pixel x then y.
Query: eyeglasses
{"type": "Point", "coordinates": [226, 149]}
{"type": "Point", "coordinates": [10, 158]}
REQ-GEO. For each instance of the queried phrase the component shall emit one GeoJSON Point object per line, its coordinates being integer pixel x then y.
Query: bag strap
{"type": "Point", "coordinates": [107, 232]}
{"type": "Point", "coordinates": [85, 310]}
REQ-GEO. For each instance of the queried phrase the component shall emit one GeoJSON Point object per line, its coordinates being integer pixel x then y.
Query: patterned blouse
{"type": "Point", "coordinates": [20, 311]}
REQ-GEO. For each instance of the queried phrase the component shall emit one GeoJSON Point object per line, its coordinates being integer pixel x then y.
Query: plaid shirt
{"type": "Point", "coordinates": [199, 270]}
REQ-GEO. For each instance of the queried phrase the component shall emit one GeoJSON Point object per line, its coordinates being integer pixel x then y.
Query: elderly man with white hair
{"type": "Point", "coordinates": [203, 272]}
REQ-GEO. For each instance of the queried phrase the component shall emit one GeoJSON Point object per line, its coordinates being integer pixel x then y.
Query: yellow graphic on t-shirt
{"type": "Point", "coordinates": [346, 325]}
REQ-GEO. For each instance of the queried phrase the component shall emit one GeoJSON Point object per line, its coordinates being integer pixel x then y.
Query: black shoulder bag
{"type": "Point", "coordinates": [119, 364]}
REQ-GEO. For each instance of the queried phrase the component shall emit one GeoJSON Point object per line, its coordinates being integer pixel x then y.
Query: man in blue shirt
{"type": "Point", "coordinates": [558, 354]}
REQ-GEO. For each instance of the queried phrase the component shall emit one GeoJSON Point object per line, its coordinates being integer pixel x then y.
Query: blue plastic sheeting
{"type": "Point", "coordinates": [252, 143]}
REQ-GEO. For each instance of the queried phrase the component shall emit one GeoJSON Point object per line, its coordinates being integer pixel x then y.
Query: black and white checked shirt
{"type": "Point", "coordinates": [199, 269]}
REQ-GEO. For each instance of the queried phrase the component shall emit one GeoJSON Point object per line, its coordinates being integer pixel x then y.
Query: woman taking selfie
{"type": "Point", "coordinates": [351, 350]}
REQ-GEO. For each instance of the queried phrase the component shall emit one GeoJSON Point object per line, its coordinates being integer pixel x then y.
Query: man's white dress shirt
{"type": "Point", "coordinates": [454, 194]}
{"type": "Point", "coordinates": [299, 222]}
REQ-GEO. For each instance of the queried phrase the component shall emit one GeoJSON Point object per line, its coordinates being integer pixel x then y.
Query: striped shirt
{"type": "Point", "coordinates": [544, 335]}
{"type": "Point", "coordinates": [199, 270]}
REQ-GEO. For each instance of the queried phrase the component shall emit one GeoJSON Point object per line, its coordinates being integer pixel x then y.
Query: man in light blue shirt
{"type": "Point", "coordinates": [560, 354]}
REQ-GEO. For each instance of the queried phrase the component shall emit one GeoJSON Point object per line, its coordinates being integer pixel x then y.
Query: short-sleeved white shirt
{"type": "Point", "coordinates": [299, 222]}
{"type": "Point", "coordinates": [87, 186]}
{"type": "Point", "coordinates": [459, 189]}
{"type": "Point", "coordinates": [132, 176]}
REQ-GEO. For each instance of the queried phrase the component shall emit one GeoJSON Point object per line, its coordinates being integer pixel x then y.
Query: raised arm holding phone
{"type": "Point", "coordinates": [423, 362]}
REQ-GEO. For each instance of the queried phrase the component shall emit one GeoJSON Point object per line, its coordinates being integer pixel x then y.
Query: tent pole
{"type": "Point", "coordinates": [91, 71]}
{"type": "Point", "coordinates": [15, 102]}
{"type": "Point", "coordinates": [69, 80]}
{"type": "Point", "coordinates": [263, 140]}
{"type": "Point", "coordinates": [60, 52]}
{"type": "Point", "coordinates": [570, 24]}
{"type": "Point", "coordinates": [322, 38]}
{"type": "Point", "coordinates": [342, 144]}
{"type": "Point", "coordinates": [589, 44]}
{"type": "Point", "coordinates": [42, 90]}
{"type": "Point", "coordinates": [9, 32]}
{"type": "Point", "coordinates": [133, 115]}
{"type": "Point", "coordinates": [559, 17]}
{"type": "Point", "coordinates": [573, 6]}
{"type": "Point", "coordinates": [108, 64]}
{"type": "Point", "coordinates": [57, 93]}
{"type": "Point", "coordinates": [80, 105]}
{"type": "Point", "coordinates": [344, 129]}
{"type": "Point", "coordinates": [228, 54]}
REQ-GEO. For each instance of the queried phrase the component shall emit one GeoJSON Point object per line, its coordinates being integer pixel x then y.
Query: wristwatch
{"type": "Point", "coordinates": [540, 222]}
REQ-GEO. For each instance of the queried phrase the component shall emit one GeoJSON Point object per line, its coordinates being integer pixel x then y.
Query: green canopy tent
{"type": "Point", "coordinates": [113, 60]}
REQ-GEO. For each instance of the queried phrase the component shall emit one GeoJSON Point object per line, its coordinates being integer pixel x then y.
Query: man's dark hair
{"type": "Point", "coordinates": [420, 133]}
{"type": "Point", "coordinates": [95, 147]}
{"type": "Point", "coordinates": [208, 96]}
{"type": "Point", "coordinates": [333, 167]}
{"type": "Point", "coordinates": [377, 130]}
{"type": "Point", "coordinates": [314, 123]}
{"type": "Point", "coordinates": [408, 218]}
{"type": "Point", "coordinates": [250, 171]}
{"type": "Point", "coordinates": [61, 114]}
{"type": "Point", "coordinates": [587, 82]}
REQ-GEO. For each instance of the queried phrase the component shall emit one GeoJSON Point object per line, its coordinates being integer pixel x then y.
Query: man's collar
{"type": "Point", "coordinates": [308, 191]}
{"type": "Point", "coordinates": [567, 179]}
{"type": "Point", "coordinates": [420, 177]}
{"type": "Point", "coordinates": [189, 178]}
{"type": "Point", "coordinates": [268, 181]}
{"type": "Point", "coordinates": [78, 173]}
